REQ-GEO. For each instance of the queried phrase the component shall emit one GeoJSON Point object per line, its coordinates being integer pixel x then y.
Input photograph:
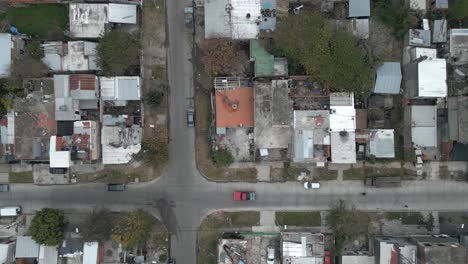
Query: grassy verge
{"type": "Point", "coordinates": [114, 176]}
{"type": "Point", "coordinates": [363, 172]}
{"type": "Point", "coordinates": [211, 229]}
{"type": "Point", "coordinates": [324, 174]}
{"type": "Point", "coordinates": [21, 177]}
{"type": "Point", "coordinates": [407, 218]}
{"type": "Point", "coordinates": [39, 21]}
{"type": "Point", "coordinates": [298, 218]}
{"type": "Point", "coordinates": [205, 165]}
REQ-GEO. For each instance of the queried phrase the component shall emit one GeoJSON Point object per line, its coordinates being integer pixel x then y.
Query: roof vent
{"type": "Point", "coordinates": [234, 106]}
{"type": "Point", "coordinates": [248, 16]}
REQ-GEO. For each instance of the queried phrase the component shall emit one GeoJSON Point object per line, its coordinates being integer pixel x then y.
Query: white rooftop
{"type": "Point", "coordinates": [419, 5]}
{"type": "Point", "coordinates": [89, 20]}
{"type": "Point", "coordinates": [342, 112]}
{"type": "Point", "coordinates": [7, 252]}
{"type": "Point", "coordinates": [90, 252]}
{"type": "Point", "coordinates": [424, 125]}
{"type": "Point", "coordinates": [430, 53]}
{"type": "Point", "coordinates": [382, 143]}
{"type": "Point", "coordinates": [432, 75]}
{"type": "Point", "coordinates": [119, 144]}
{"type": "Point", "coordinates": [73, 56]}
{"type": "Point", "coordinates": [343, 147]}
{"type": "Point", "coordinates": [48, 255]}
{"type": "Point", "coordinates": [26, 247]}
{"type": "Point", "coordinates": [5, 54]}
{"type": "Point", "coordinates": [120, 88]}
{"type": "Point", "coordinates": [58, 159]}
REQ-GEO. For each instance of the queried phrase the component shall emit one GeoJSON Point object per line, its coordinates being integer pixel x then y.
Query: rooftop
{"type": "Point", "coordinates": [311, 136]}
{"type": "Point", "coordinates": [85, 140]}
{"type": "Point", "coordinates": [89, 20]}
{"type": "Point", "coordinates": [419, 37]}
{"type": "Point", "coordinates": [90, 252]}
{"type": "Point", "coordinates": [120, 88]}
{"type": "Point", "coordinates": [382, 143]}
{"type": "Point", "coordinates": [343, 114]}
{"type": "Point", "coordinates": [419, 5]}
{"type": "Point", "coordinates": [266, 65]}
{"type": "Point", "coordinates": [440, 250]}
{"type": "Point", "coordinates": [459, 46]}
{"type": "Point", "coordinates": [458, 118]}
{"type": "Point", "coordinates": [5, 54]}
{"type": "Point", "coordinates": [48, 255]}
{"type": "Point", "coordinates": [359, 8]}
{"type": "Point", "coordinates": [442, 4]}
{"type": "Point", "coordinates": [238, 19]}
{"type": "Point", "coordinates": [439, 34]}
{"type": "Point", "coordinates": [432, 75]}
{"type": "Point", "coordinates": [234, 108]}
{"type": "Point", "coordinates": [119, 144]}
{"type": "Point", "coordinates": [343, 147]}
{"type": "Point", "coordinates": [301, 247]}
{"type": "Point", "coordinates": [359, 259]}
{"type": "Point", "coordinates": [58, 158]}
{"type": "Point", "coordinates": [399, 249]}
{"type": "Point", "coordinates": [424, 125]}
{"type": "Point", "coordinates": [388, 78]}
{"type": "Point", "coordinates": [273, 115]}
{"type": "Point", "coordinates": [70, 56]}
{"type": "Point", "coordinates": [26, 247]}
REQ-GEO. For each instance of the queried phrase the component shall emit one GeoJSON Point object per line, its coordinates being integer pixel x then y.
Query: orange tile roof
{"type": "Point", "coordinates": [235, 108]}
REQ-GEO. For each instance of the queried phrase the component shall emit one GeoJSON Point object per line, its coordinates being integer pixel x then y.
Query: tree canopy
{"type": "Point", "coordinates": [395, 14]}
{"type": "Point", "coordinates": [118, 52]}
{"type": "Point", "coordinates": [222, 157]}
{"type": "Point", "coordinates": [347, 224]}
{"type": "Point", "coordinates": [97, 225]}
{"type": "Point", "coordinates": [459, 10]}
{"type": "Point", "coordinates": [132, 229]}
{"type": "Point", "coordinates": [47, 227]}
{"type": "Point", "coordinates": [326, 53]}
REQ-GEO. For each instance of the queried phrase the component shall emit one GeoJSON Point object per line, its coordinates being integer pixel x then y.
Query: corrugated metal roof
{"type": "Point", "coordinates": [424, 125]}
{"type": "Point", "coordinates": [5, 54]}
{"type": "Point", "coordinates": [382, 143]}
{"type": "Point", "coordinates": [440, 31]}
{"type": "Point", "coordinates": [48, 255]}
{"type": "Point", "coordinates": [128, 88]}
{"type": "Point", "coordinates": [419, 37]}
{"type": "Point", "coordinates": [121, 13]}
{"type": "Point", "coordinates": [359, 8]}
{"type": "Point", "coordinates": [264, 61]}
{"type": "Point", "coordinates": [388, 78]}
{"type": "Point", "coordinates": [442, 4]}
{"type": "Point", "coordinates": [26, 247]}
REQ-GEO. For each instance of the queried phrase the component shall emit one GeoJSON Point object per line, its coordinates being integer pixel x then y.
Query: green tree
{"type": "Point", "coordinates": [222, 157]}
{"type": "Point", "coordinates": [395, 14]}
{"type": "Point", "coordinates": [47, 227]}
{"type": "Point", "coordinates": [154, 98]}
{"type": "Point", "coordinates": [325, 53]}
{"type": "Point", "coordinates": [33, 48]}
{"type": "Point", "coordinates": [132, 229]}
{"type": "Point", "coordinates": [118, 52]}
{"type": "Point", "coordinates": [347, 224]}
{"type": "Point", "coordinates": [97, 225]}
{"type": "Point", "coordinates": [459, 10]}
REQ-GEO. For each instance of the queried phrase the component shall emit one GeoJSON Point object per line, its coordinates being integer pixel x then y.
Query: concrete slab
{"type": "Point", "coordinates": [263, 171]}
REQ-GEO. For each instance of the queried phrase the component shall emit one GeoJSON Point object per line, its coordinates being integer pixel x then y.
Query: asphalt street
{"type": "Point", "coordinates": [182, 197]}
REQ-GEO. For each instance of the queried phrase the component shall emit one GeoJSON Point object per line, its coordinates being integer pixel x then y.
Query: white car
{"type": "Point", "coordinates": [312, 185]}
{"type": "Point", "coordinates": [271, 255]}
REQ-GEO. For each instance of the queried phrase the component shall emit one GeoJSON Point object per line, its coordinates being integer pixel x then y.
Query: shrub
{"type": "Point", "coordinates": [222, 158]}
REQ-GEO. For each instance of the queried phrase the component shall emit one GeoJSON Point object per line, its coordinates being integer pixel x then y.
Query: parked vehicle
{"type": "Point", "coordinates": [271, 255]}
{"type": "Point", "coordinates": [383, 181]}
{"type": "Point", "coordinates": [4, 187]}
{"type": "Point", "coordinates": [116, 187]}
{"type": "Point", "coordinates": [190, 117]}
{"type": "Point", "coordinates": [327, 257]}
{"type": "Point", "coordinates": [244, 196]}
{"type": "Point", "coordinates": [10, 211]}
{"type": "Point", "coordinates": [188, 11]}
{"type": "Point", "coordinates": [312, 185]}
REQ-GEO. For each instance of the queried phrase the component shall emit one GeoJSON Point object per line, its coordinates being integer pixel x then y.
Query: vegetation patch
{"type": "Point", "coordinates": [21, 177]}
{"type": "Point", "coordinates": [298, 218]}
{"type": "Point", "coordinates": [39, 21]}
{"type": "Point", "coordinates": [222, 158]}
{"type": "Point", "coordinates": [47, 227]}
{"type": "Point", "coordinates": [395, 14]}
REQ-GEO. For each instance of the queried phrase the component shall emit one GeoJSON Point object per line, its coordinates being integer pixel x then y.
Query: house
{"type": "Point", "coordinates": [418, 5]}
{"type": "Point", "coordinates": [394, 250]}
{"type": "Point", "coordinates": [85, 140]}
{"type": "Point", "coordinates": [26, 248]}
{"type": "Point", "coordinates": [381, 143]}
{"type": "Point", "coordinates": [359, 8]}
{"type": "Point", "coordinates": [7, 133]}
{"type": "Point", "coordinates": [439, 249]}
{"type": "Point", "coordinates": [419, 37]}
{"type": "Point", "coordinates": [424, 125]}
{"type": "Point", "coordinates": [89, 20]}
{"type": "Point", "coordinates": [7, 251]}
{"type": "Point", "coordinates": [234, 108]}
{"type": "Point", "coordinates": [267, 65]}
{"type": "Point", "coordinates": [120, 143]}
{"type": "Point", "coordinates": [6, 46]}
{"type": "Point", "coordinates": [73, 94]}
{"type": "Point", "coordinates": [273, 118]}
{"type": "Point", "coordinates": [71, 247]}
{"type": "Point", "coordinates": [357, 258]}
{"type": "Point", "coordinates": [439, 32]}
{"type": "Point", "coordinates": [239, 19]}
{"type": "Point", "coordinates": [60, 155]}
{"type": "Point", "coordinates": [459, 46]}
{"type": "Point", "coordinates": [441, 4]}
{"type": "Point", "coordinates": [90, 253]}
{"type": "Point", "coordinates": [458, 118]}
{"type": "Point", "coordinates": [70, 56]}
{"type": "Point", "coordinates": [388, 78]}
{"type": "Point", "coordinates": [48, 255]}
{"type": "Point", "coordinates": [302, 247]}
{"type": "Point", "coordinates": [342, 128]}
{"type": "Point", "coordinates": [431, 80]}
{"type": "Point", "coordinates": [120, 89]}
{"type": "Point", "coordinates": [311, 138]}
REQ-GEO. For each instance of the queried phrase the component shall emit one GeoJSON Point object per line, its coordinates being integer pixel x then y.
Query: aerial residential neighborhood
{"type": "Point", "coordinates": [234, 131]}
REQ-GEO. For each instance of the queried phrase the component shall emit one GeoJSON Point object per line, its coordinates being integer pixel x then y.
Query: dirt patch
{"type": "Point", "coordinates": [362, 172]}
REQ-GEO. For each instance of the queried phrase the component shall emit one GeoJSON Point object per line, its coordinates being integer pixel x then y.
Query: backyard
{"type": "Point", "coordinates": [39, 21]}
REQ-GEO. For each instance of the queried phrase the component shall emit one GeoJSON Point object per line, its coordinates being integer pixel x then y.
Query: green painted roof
{"type": "Point", "coordinates": [264, 61]}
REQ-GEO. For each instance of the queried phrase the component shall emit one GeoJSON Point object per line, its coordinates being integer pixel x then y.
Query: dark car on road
{"type": "Point", "coordinates": [4, 187]}
{"type": "Point", "coordinates": [244, 196]}
{"type": "Point", "coordinates": [190, 118]}
{"type": "Point", "coordinates": [116, 187]}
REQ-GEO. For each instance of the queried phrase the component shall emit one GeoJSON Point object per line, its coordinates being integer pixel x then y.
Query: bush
{"type": "Point", "coordinates": [33, 48]}
{"type": "Point", "coordinates": [163, 258]}
{"type": "Point", "coordinates": [222, 158]}
{"type": "Point", "coordinates": [97, 226]}
{"type": "Point", "coordinates": [154, 98]}
{"type": "Point", "coordinates": [132, 229]}
{"type": "Point", "coordinates": [47, 227]}
{"type": "Point", "coordinates": [395, 14]}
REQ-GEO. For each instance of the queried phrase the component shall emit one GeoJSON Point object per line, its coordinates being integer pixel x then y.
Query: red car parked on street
{"type": "Point", "coordinates": [244, 196]}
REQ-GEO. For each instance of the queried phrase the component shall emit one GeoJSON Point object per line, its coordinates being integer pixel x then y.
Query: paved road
{"type": "Point", "coordinates": [182, 196]}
